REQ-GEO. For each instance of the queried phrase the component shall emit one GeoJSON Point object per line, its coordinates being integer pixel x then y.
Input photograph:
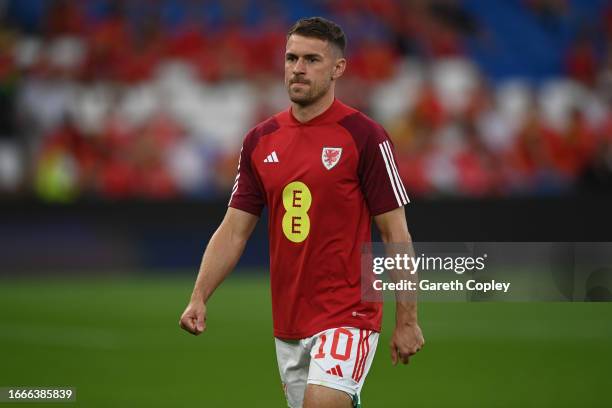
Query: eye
{"type": "Point", "coordinates": [290, 58]}
{"type": "Point", "coordinates": [312, 59]}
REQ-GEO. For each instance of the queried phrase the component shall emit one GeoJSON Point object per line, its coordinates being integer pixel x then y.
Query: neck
{"type": "Point", "coordinates": [305, 113]}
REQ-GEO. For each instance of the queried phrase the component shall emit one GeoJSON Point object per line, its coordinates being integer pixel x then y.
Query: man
{"type": "Point", "coordinates": [324, 170]}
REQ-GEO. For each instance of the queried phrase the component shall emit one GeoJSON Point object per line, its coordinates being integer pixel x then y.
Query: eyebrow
{"type": "Point", "coordinates": [291, 54]}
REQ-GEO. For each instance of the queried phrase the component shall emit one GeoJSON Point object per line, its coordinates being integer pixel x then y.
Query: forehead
{"type": "Point", "coordinates": [300, 45]}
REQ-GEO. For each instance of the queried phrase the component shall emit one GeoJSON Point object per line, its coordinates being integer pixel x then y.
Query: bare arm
{"type": "Point", "coordinates": [220, 258]}
{"type": "Point", "coordinates": [407, 337]}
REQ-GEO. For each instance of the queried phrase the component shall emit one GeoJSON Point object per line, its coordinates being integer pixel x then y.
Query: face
{"type": "Point", "coordinates": [311, 67]}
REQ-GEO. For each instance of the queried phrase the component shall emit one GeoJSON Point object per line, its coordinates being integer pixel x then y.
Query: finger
{"type": "Point", "coordinates": [185, 325]}
{"type": "Point", "coordinates": [196, 329]}
{"type": "Point", "coordinates": [393, 355]}
{"type": "Point", "coordinates": [189, 324]}
{"type": "Point", "coordinates": [200, 326]}
{"type": "Point", "coordinates": [405, 358]}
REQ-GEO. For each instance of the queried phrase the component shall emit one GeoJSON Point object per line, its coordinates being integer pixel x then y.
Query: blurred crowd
{"type": "Point", "coordinates": [151, 98]}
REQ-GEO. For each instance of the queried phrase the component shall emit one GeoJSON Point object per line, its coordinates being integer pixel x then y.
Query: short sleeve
{"type": "Point", "coordinates": [247, 194]}
{"type": "Point", "coordinates": [379, 177]}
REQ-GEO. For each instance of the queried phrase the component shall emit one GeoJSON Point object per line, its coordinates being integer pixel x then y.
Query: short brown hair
{"type": "Point", "coordinates": [321, 28]}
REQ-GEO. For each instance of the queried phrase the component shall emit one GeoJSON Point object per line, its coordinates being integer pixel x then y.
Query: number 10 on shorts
{"type": "Point", "coordinates": [333, 350]}
{"type": "Point", "coordinates": [345, 350]}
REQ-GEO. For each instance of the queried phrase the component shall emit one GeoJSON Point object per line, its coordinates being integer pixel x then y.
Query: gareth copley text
{"type": "Point", "coordinates": [429, 286]}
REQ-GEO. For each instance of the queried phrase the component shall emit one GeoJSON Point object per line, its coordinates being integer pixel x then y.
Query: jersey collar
{"type": "Point", "coordinates": [331, 114]}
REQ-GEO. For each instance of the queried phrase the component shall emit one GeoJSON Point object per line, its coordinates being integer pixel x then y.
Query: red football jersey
{"type": "Point", "coordinates": [322, 181]}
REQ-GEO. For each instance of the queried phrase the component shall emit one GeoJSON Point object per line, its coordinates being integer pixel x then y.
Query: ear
{"type": "Point", "coordinates": [339, 68]}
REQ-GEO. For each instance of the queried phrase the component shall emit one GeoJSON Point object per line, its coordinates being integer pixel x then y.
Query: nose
{"type": "Point", "coordinates": [298, 67]}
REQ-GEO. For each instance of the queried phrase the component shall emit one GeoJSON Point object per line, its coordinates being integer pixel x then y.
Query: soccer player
{"type": "Point", "coordinates": [324, 170]}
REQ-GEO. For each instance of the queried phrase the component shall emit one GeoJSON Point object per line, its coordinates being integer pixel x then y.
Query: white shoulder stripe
{"type": "Point", "coordinates": [401, 188]}
{"type": "Point", "coordinates": [235, 187]}
{"type": "Point", "coordinates": [384, 155]}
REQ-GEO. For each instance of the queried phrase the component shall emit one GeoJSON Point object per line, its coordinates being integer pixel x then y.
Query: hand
{"type": "Point", "coordinates": [193, 319]}
{"type": "Point", "coordinates": [406, 341]}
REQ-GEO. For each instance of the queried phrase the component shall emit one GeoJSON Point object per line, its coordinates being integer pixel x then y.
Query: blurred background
{"type": "Point", "coordinates": [120, 128]}
{"type": "Point", "coordinates": [151, 99]}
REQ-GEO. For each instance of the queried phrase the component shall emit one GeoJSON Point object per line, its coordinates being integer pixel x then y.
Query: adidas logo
{"type": "Point", "coordinates": [335, 371]}
{"type": "Point", "coordinates": [272, 158]}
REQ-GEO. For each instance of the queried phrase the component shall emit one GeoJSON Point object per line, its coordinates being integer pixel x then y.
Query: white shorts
{"type": "Point", "coordinates": [337, 358]}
